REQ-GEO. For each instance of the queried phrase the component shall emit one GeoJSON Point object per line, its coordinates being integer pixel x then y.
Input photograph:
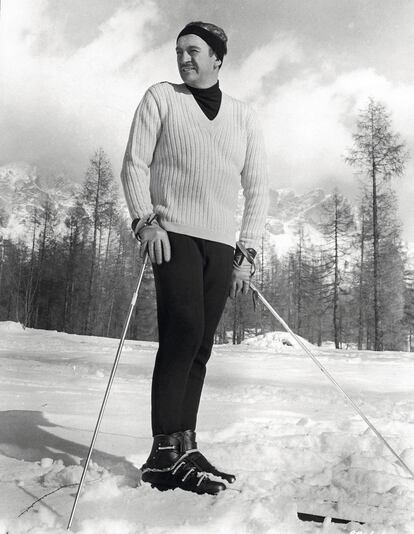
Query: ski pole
{"type": "Point", "coordinates": [108, 388]}
{"type": "Point", "coordinates": [329, 376]}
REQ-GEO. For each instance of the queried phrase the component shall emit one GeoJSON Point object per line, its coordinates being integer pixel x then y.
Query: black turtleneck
{"type": "Point", "coordinates": [208, 99]}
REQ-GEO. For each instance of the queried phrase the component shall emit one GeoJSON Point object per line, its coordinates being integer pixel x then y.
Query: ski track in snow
{"type": "Point", "coordinates": [267, 414]}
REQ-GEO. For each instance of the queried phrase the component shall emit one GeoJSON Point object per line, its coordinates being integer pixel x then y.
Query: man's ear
{"type": "Point", "coordinates": [217, 63]}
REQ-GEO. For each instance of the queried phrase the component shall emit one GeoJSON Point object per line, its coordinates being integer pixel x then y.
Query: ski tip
{"type": "Point", "coordinates": [321, 518]}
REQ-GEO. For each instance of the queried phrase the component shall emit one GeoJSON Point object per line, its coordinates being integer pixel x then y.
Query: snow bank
{"type": "Point", "coordinates": [276, 423]}
{"type": "Point", "coordinates": [11, 326]}
{"type": "Point", "coordinates": [103, 526]}
{"type": "Point", "coordinates": [59, 475]}
{"type": "Point", "coordinates": [104, 490]}
{"type": "Point", "coordinates": [277, 341]}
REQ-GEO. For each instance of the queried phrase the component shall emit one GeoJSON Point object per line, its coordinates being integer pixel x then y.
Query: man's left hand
{"type": "Point", "coordinates": [243, 270]}
{"type": "Point", "coordinates": [240, 279]}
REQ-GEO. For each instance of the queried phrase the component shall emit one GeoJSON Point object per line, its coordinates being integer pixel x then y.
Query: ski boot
{"type": "Point", "coordinates": [198, 459]}
{"type": "Point", "coordinates": [169, 467]}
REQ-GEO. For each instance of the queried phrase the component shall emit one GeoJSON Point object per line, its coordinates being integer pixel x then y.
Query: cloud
{"type": "Point", "coordinates": [63, 102]}
{"type": "Point", "coordinates": [246, 80]}
{"type": "Point", "coordinates": [62, 105]}
{"type": "Point", "coordinates": [308, 122]}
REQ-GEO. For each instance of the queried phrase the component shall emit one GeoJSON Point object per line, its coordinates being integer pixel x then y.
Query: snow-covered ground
{"type": "Point", "coordinates": [267, 414]}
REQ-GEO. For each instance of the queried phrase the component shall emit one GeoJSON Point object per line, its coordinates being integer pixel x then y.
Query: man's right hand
{"type": "Point", "coordinates": [154, 239]}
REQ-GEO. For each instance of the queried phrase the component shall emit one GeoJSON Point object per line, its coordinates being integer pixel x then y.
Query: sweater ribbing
{"type": "Point", "coordinates": [188, 169]}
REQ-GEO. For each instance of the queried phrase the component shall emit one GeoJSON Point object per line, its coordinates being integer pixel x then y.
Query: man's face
{"type": "Point", "coordinates": [197, 66]}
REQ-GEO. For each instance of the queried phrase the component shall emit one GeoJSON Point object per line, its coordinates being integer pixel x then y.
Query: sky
{"type": "Point", "coordinates": [73, 72]}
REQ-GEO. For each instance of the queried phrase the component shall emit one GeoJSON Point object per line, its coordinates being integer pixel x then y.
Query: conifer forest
{"type": "Point", "coordinates": [75, 268]}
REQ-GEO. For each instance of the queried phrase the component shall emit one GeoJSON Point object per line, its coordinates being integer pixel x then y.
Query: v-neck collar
{"type": "Point", "coordinates": [199, 114]}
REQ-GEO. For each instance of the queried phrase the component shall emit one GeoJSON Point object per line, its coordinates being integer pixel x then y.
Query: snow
{"type": "Point", "coordinates": [267, 414]}
{"type": "Point", "coordinates": [276, 341]}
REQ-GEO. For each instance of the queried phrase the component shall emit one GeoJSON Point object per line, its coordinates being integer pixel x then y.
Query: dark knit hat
{"type": "Point", "coordinates": [218, 45]}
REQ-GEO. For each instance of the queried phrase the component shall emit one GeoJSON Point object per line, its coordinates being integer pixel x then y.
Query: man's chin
{"type": "Point", "coordinates": [189, 76]}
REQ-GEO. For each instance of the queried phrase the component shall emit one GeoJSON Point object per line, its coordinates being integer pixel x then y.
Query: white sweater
{"type": "Point", "coordinates": [188, 169]}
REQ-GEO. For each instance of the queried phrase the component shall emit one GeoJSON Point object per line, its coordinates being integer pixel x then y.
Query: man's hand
{"type": "Point", "coordinates": [154, 239]}
{"type": "Point", "coordinates": [243, 270]}
{"type": "Point", "coordinates": [240, 280]}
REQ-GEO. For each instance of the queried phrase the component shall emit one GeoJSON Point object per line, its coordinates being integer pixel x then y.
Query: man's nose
{"type": "Point", "coordinates": [185, 57]}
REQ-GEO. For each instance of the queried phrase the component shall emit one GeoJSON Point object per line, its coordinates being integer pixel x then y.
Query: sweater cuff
{"type": "Point", "coordinates": [248, 243]}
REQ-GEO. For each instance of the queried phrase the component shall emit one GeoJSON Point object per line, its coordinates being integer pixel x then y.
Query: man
{"type": "Point", "coordinates": [189, 150]}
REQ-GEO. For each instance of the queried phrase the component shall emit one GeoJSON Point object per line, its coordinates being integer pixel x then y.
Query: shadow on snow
{"type": "Point", "coordinates": [23, 437]}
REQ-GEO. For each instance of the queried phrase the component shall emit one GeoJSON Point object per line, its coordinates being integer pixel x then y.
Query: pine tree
{"type": "Point", "coordinates": [409, 307]}
{"type": "Point", "coordinates": [362, 278]}
{"type": "Point", "coordinates": [2, 261]}
{"type": "Point", "coordinates": [337, 223]}
{"type": "Point", "coordinates": [97, 196]}
{"type": "Point", "coordinates": [379, 155]}
{"type": "Point", "coordinates": [390, 273]}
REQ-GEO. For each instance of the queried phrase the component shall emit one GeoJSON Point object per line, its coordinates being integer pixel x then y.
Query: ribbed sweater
{"type": "Point", "coordinates": [188, 169]}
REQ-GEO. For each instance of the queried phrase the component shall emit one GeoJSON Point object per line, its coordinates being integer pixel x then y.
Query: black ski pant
{"type": "Point", "coordinates": [192, 289]}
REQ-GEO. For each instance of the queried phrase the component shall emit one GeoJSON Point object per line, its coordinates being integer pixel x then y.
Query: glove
{"type": "Point", "coordinates": [243, 270]}
{"type": "Point", "coordinates": [153, 239]}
